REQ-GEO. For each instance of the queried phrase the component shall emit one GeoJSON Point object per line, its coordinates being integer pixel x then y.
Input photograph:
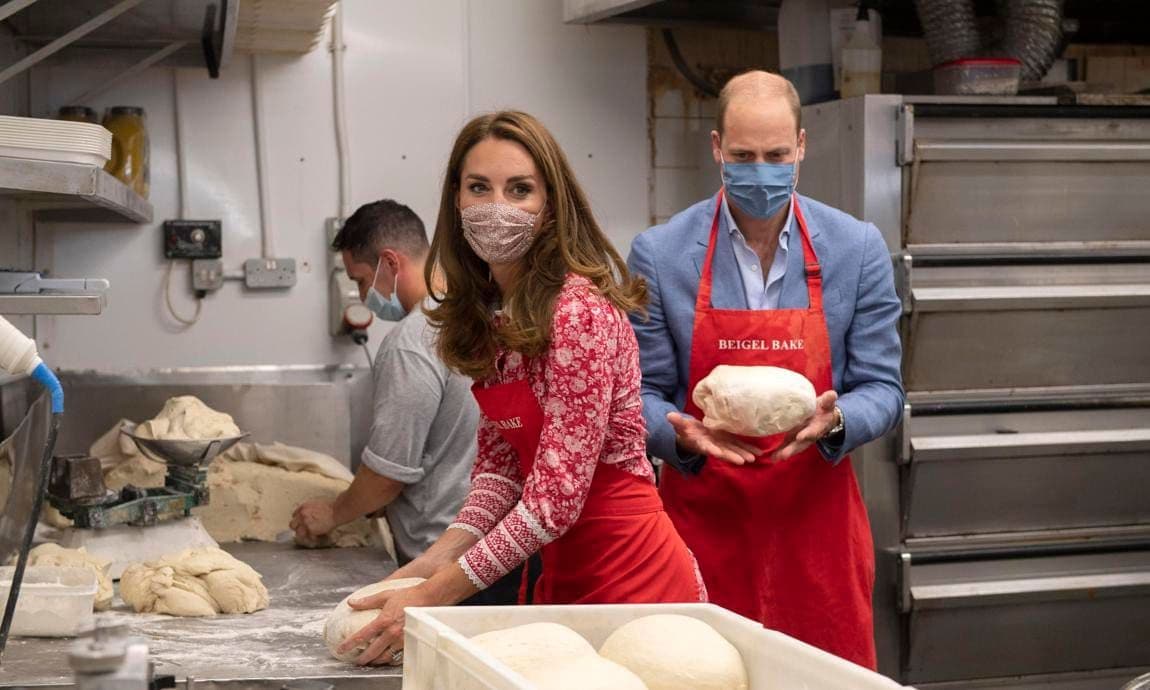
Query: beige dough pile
{"type": "Point", "coordinates": [343, 622]}
{"type": "Point", "coordinates": [187, 418]}
{"type": "Point", "coordinates": [554, 657]}
{"type": "Point", "coordinates": [254, 487]}
{"type": "Point", "coordinates": [54, 554]}
{"type": "Point", "coordinates": [525, 647]}
{"type": "Point", "coordinates": [676, 652]}
{"type": "Point", "coordinates": [195, 582]}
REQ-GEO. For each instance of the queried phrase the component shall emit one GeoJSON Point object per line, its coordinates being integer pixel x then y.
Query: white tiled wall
{"type": "Point", "coordinates": [683, 171]}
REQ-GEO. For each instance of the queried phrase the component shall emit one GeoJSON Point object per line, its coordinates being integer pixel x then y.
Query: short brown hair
{"type": "Point", "coordinates": [383, 224]}
{"type": "Point", "coordinates": [765, 83]}
{"type": "Point", "coordinates": [570, 241]}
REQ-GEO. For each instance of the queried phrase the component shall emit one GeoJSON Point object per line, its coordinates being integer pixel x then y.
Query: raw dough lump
{"type": "Point", "coordinates": [527, 647]}
{"type": "Point", "coordinates": [345, 621]}
{"type": "Point", "coordinates": [255, 488]}
{"type": "Point", "coordinates": [584, 673]}
{"type": "Point", "coordinates": [754, 401]}
{"type": "Point", "coordinates": [194, 582]}
{"type": "Point", "coordinates": [675, 652]}
{"type": "Point", "coordinates": [187, 418]}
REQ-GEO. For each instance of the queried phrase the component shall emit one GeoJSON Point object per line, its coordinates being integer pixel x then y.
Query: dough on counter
{"type": "Point", "coordinates": [754, 401]}
{"type": "Point", "coordinates": [675, 652]}
{"type": "Point", "coordinates": [255, 500]}
{"type": "Point", "coordinates": [528, 647]}
{"type": "Point", "coordinates": [254, 487]}
{"type": "Point", "coordinates": [589, 672]}
{"type": "Point", "coordinates": [54, 554]}
{"type": "Point", "coordinates": [187, 418]}
{"type": "Point", "coordinates": [344, 621]}
{"type": "Point", "coordinates": [194, 582]}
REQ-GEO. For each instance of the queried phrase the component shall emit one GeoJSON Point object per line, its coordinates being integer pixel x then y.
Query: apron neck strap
{"type": "Point", "coordinates": [814, 274]}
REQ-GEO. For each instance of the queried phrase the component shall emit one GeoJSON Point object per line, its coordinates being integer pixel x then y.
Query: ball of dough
{"type": "Point", "coordinates": [185, 418]}
{"type": "Point", "coordinates": [195, 582]}
{"type": "Point", "coordinates": [528, 647]}
{"type": "Point", "coordinates": [344, 621]}
{"type": "Point", "coordinates": [754, 401]}
{"type": "Point", "coordinates": [674, 652]}
{"type": "Point", "coordinates": [584, 673]}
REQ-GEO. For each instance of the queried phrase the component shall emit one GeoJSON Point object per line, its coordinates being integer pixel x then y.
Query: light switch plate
{"type": "Point", "coordinates": [207, 274]}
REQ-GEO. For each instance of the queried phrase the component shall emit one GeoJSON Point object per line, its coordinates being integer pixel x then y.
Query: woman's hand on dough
{"type": "Point", "coordinates": [385, 633]}
{"type": "Point", "coordinates": [810, 431]}
{"type": "Point", "coordinates": [696, 438]}
{"type": "Point", "coordinates": [313, 519]}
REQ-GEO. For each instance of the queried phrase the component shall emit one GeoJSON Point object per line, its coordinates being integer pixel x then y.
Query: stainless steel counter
{"type": "Point", "coordinates": [262, 649]}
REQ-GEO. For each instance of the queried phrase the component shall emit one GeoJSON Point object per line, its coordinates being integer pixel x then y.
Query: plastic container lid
{"type": "Point", "coordinates": [54, 601]}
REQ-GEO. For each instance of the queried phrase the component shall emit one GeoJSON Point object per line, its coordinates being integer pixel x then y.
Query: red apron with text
{"type": "Point", "coordinates": [623, 549]}
{"type": "Point", "coordinates": [787, 544]}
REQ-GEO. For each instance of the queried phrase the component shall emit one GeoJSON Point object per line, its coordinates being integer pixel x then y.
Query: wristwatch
{"type": "Point", "coordinates": [839, 427]}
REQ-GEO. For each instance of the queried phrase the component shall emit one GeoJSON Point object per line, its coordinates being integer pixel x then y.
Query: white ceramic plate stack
{"type": "Point", "coordinates": [54, 140]}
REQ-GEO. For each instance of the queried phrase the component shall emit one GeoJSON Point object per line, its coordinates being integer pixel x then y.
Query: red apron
{"type": "Point", "coordinates": [787, 544]}
{"type": "Point", "coordinates": [623, 549]}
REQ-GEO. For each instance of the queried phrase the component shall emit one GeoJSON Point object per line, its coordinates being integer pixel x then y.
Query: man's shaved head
{"type": "Point", "coordinates": [757, 85]}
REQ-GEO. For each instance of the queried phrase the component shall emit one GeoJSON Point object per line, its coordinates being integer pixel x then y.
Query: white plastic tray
{"type": "Point", "coordinates": [54, 601]}
{"type": "Point", "coordinates": [56, 155]}
{"type": "Point", "coordinates": [438, 654]}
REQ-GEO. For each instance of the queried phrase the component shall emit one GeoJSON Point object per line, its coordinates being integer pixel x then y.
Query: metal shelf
{"type": "Point", "coordinates": [71, 192]}
{"type": "Point", "coordinates": [49, 304]}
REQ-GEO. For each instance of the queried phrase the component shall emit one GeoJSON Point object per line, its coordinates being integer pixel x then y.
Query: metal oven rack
{"type": "Point", "coordinates": [1012, 509]}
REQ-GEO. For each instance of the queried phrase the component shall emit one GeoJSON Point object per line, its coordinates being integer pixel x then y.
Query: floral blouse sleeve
{"type": "Point", "coordinates": [577, 385]}
{"type": "Point", "coordinates": [496, 483]}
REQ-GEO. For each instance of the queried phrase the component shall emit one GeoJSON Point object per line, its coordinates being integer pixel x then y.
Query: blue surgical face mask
{"type": "Point", "coordinates": [388, 309]}
{"type": "Point", "coordinates": [759, 189]}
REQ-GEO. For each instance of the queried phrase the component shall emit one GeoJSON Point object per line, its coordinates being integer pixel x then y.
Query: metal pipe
{"type": "Point", "coordinates": [13, 7]}
{"type": "Point", "coordinates": [1033, 34]}
{"type": "Point", "coordinates": [181, 148]}
{"type": "Point", "coordinates": [267, 248]}
{"type": "Point", "coordinates": [68, 38]}
{"type": "Point", "coordinates": [89, 95]}
{"type": "Point", "coordinates": [698, 82]}
{"type": "Point", "coordinates": [950, 29]}
{"type": "Point", "coordinates": [340, 110]}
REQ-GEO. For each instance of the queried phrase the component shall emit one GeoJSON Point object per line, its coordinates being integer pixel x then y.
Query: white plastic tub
{"type": "Point", "coordinates": [438, 654]}
{"type": "Point", "coordinates": [54, 601]}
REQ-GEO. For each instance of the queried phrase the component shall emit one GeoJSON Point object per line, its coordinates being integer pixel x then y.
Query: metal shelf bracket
{"type": "Point", "coordinates": [67, 39]}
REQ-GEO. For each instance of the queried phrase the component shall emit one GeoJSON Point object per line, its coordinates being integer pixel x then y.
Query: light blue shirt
{"type": "Point", "coordinates": [761, 293]}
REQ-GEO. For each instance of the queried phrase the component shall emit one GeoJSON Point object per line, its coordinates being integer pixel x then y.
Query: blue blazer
{"type": "Point", "coordinates": [862, 313]}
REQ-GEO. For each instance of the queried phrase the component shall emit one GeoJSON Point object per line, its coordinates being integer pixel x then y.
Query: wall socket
{"type": "Point", "coordinates": [269, 274]}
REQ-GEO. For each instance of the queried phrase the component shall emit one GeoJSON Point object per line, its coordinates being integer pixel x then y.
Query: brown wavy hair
{"type": "Point", "coordinates": [569, 241]}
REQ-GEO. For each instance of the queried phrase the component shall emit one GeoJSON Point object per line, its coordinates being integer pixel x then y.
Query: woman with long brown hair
{"type": "Point", "coordinates": [535, 311]}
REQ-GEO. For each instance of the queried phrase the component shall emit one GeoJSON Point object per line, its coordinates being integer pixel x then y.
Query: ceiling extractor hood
{"type": "Point", "coordinates": [741, 14]}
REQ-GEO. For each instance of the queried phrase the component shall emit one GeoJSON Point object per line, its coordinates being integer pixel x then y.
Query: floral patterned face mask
{"type": "Point", "coordinates": [498, 233]}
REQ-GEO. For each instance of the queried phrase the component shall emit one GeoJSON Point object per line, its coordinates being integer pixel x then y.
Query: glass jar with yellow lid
{"type": "Point", "coordinates": [130, 149]}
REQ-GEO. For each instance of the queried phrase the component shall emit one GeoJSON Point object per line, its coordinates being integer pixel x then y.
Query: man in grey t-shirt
{"type": "Point", "coordinates": [417, 463]}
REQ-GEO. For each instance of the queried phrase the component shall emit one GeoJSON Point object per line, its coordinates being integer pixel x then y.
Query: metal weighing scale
{"type": "Point", "coordinates": [134, 524]}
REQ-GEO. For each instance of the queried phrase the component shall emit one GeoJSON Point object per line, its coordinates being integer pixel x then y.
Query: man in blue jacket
{"type": "Point", "coordinates": [760, 276]}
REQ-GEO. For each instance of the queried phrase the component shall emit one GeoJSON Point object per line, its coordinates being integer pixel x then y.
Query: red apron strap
{"type": "Point", "coordinates": [706, 281]}
{"type": "Point", "coordinates": [814, 272]}
{"type": "Point", "coordinates": [810, 262]}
